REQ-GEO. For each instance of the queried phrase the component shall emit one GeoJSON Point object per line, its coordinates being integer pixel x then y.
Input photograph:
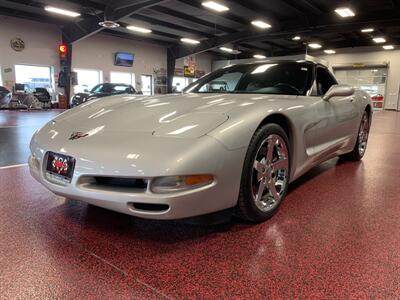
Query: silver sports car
{"type": "Point", "coordinates": [234, 139]}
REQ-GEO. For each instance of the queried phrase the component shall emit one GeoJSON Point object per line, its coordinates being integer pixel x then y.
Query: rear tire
{"type": "Point", "coordinates": [362, 140]}
{"type": "Point", "coordinates": [265, 175]}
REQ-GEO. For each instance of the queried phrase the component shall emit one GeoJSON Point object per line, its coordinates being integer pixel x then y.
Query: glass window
{"type": "Point", "coordinates": [87, 79]}
{"type": "Point", "coordinates": [289, 78]}
{"type": "Point", "coordinates": [34, 77]}
{"type": "Point", "coordinates": [371, 80]}
{"type": "Point", "coordinates": [325, 80]}
{"type": "Point", "coordinates": [179, 83]}
{"type": "Point", "coordinates": [122, 77]}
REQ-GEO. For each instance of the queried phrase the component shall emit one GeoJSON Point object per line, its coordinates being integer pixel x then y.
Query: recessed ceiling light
{"type": "Point", "coordinates": [61, 11]}
{"type": "Point", "coordinates": [109, 24]}
{"type": "Point", "coordinates": [296, 38]}
{"type": "Point", "coordinates": [315, 46]}
{"type": "Point", "coordinates": [379, 40]}
{"type": "Point", "coordinates": [388, 47]}
{"type": "Point", "coordinates": [261, 24]}
{"type": "Point", "coordinates": [259, 56]}
{"type": "Point", "coordinates": [215, 6]}
{"type": "Point", "coordinates": [345, 12]}
{"type": "Point", "coordinates": [138, 29]}
{"type": "Point", "coordinates": [367, 30]}
{"type": "Point", "coordinates": [330, 51]}
{"type": "Point", "coordinates": [190, 41]}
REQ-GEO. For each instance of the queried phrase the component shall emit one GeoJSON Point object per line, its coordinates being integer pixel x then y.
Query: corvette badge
{"type": "Point", "coordinates": [77, 135]}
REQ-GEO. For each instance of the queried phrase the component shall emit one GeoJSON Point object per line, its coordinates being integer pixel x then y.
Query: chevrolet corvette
{"type": "Point", "coordinates": [234, 139]}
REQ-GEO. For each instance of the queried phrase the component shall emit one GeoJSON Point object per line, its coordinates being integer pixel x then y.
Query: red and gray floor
{"type": "Point", "coordinates": [336, 236]}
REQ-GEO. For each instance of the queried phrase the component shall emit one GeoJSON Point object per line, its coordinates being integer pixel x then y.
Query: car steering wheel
{"type": "Point", "coordinates": [288, 85]}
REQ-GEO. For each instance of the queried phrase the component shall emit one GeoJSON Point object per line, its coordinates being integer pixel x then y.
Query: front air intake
{"type": "Point", "coordinates": [154, 208]}
{"type": "Point", "coordinates": [121, 182]}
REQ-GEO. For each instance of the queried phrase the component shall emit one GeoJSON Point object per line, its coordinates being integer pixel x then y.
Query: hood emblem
{"type": "Point", "coordinates": [77, 135]}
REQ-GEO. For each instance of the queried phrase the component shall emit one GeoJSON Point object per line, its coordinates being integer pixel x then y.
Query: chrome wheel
{"type": "Point", "coordinates": [270, 173]}
{"type": "Point", "coordinates": [363, 135]}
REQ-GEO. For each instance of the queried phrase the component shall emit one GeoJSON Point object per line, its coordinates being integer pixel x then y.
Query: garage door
{"type": "Point", "coordinates": [371, 79]}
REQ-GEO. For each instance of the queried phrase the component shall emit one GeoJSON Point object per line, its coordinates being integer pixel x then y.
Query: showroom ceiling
{"type": "Point", "coordinates": [169, 21]}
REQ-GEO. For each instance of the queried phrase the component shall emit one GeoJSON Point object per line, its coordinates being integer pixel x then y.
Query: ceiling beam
{"type": "Point", "coordinates": [289, 29]}
{"type": "Point", "coordinates": [180, 15]}
{"type": "Point", "coordinates": [133, 37]}
{"type": "Point", "coordinates": [274, 44]}
{"type": "Point", "coordinates": [118, 10]}
{"type": "Point", "coordinates": [5, 11]}
{"type": "Point", "coordinates": [305, 6]}
{"type": "Point", "coordinates": [177, 27]}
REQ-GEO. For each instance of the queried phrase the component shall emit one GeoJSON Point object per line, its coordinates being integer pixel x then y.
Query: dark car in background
{"type": "Point", "coordinates": [5, 96]}
{"type": "Point", "coordinates": [102, 90]}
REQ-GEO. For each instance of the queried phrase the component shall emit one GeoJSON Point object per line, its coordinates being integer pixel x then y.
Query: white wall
{"type": "Point", "coordinates": [41, 44]}
{"type": "Point", "coordinates": [97, 52]}
{"type": "Point", "coordinates": [365, 56]}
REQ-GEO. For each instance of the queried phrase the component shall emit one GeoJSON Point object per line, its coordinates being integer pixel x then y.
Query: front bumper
{"type": "Point", "coordinates": [219, 195]}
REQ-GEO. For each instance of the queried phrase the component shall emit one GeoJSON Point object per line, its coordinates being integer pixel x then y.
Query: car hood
{"type": "Point", "coordinates": [188, 115]}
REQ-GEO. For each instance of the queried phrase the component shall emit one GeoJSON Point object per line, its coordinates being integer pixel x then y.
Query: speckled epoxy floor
{"type": "Point", "coordinates": [337, 235]}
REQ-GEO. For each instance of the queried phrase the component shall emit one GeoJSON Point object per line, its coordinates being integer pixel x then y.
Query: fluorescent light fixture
{"type": "Point", "coordinates": [367, 30]}
{"type": "Point", "coordinates": [379, 40]}
{"type": "Point", "coordinates": [330, 51]}
{"type": "Point", "coordinates": [261, 24]}
{"type": "Point", "coordinates": [190, 41]}
{"type": "Point", "coordinates": [138, 29]}
{"type": "Point", "coordinates": [315, 46]}
{"type": "Point", "coordinates": [226, 49]}
{"type": "Point", "coordinates": [61, 11]}
{"type": "Point", "coordinates": [263, 68]}
{"type": "Point", "coordinates": [215, 6]}
{"type": "Point", "coordinates": [229, 50]}
{"type": "Point", "coordinates": [388, 47]}
{"type": "Point", "coordinates": [259, 56]}
{"type": "Point", "coordinates": [345, 12]}
{"type": "Point", "coordinates": [296, 38]}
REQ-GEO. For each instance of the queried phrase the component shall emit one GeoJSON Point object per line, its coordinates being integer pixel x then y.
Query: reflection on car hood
{"type": "Point", "coordinates": [157, 115]}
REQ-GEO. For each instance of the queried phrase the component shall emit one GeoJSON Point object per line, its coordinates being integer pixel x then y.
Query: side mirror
{"type": "Point", "coordinates": [86, 91]}
{"type": "Point", "coordinates": [339, 90]}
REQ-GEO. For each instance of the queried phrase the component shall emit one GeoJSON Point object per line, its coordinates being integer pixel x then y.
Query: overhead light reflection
{"type": "Point", "coordinates": [183, 129]}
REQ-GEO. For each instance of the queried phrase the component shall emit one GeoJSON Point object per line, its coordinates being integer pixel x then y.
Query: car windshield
{"type": "Point", "coordinates": [111, 89]}
{"type": "Point", "coordinates": [288, 78]}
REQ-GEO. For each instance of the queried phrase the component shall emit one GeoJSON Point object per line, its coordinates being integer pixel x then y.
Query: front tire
{"type": "Point", "coordinates": [265, 175]}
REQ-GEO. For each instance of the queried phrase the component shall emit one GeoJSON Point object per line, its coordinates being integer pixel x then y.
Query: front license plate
{"type": "Point", "coordinates": [60, 167]}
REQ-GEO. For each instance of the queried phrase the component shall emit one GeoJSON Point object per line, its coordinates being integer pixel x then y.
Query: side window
{"type": "Point", "coordinates": [324, 81]}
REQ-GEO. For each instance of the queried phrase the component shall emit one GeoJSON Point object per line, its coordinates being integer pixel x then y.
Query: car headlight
{"type": "Point", "coordinates": [171, 184]}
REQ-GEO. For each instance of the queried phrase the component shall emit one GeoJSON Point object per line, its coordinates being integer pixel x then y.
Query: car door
{"type": "Point", "coordinates": [335, 116]}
